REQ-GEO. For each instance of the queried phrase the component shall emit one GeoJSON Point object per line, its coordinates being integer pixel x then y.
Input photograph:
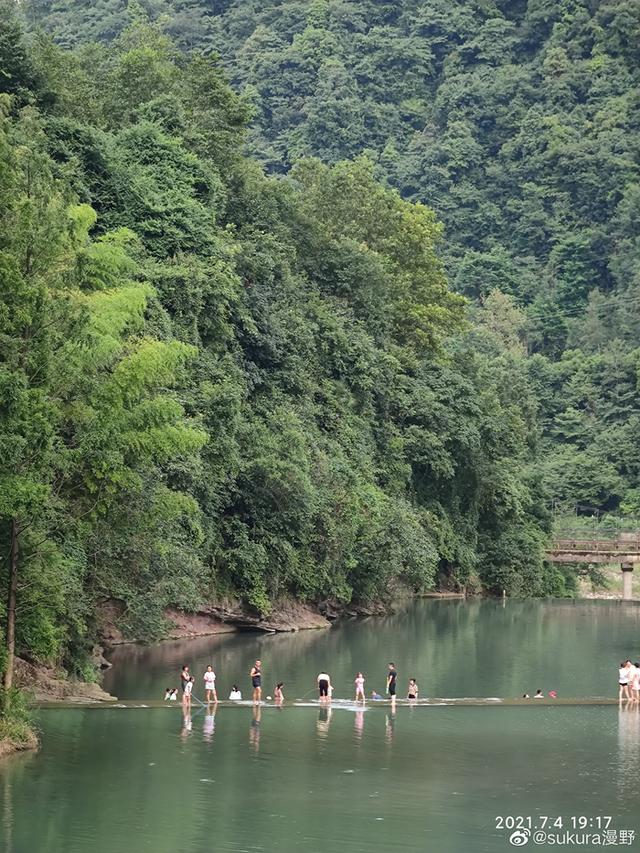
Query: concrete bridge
{"type": "Point", "coordinates": [576, 548]}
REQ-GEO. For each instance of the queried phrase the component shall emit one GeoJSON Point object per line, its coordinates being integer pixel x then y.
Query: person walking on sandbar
{"type": "Point", "coordinates": [256, 680]}
{"type": "Point", "coordinates": [392, 680]}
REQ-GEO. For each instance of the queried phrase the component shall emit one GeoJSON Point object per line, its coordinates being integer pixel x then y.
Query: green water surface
{"type": "Point", "coordinates": [312, 779]}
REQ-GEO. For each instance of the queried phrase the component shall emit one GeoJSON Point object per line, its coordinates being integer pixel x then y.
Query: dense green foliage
{"type": "Point", "coordinates": [518, 123]}
{"type": "Point", "coordinates": [216, 381]}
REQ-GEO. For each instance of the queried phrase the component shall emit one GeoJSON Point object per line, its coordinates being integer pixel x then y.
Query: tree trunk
{"type": "Point", "coordinates": [7, 681]}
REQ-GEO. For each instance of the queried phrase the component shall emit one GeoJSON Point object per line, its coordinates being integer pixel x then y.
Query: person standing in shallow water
{"type": "Point", "coordinates": [623, 680]}
{"type": "Point", "coordinates": [324, 687]}
{"type": "Point", "coordinates": [185, 677]}
{"type": "Point", "coordinates": [256, 680]}
{"type": "Point", "coordinates": [392, 681]}
{"type": "Point", "coordinates": [359, 683]}
{"type": "Point", "coordinates": [186, 696]}
{"type": "Point", "coordinates": [210, 685]}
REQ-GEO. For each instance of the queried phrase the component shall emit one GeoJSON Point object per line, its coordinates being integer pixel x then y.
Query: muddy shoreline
{"type": "Point", "coordinates": [231, 616]}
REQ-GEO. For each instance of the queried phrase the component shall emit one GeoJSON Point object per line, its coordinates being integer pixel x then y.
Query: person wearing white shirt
{"type": "Point", "coordinates": [324, 687]}
{"type": "Point", "coordinates": [186, 696]}
{"type": "Point", "coordinates": [624, 677]}
{"type": "Point", "coordinates": [210, 685]}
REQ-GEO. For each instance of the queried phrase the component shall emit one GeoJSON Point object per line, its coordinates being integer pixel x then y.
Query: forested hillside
{"type": "Point", "coordinates": [215, 382]}
{"type": "Point", "coordinates": [309, 299]}
{"type": "Point", "coordinates": [517, 122]}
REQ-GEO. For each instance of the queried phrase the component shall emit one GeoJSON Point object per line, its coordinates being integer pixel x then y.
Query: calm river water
{"type": "Point", "coordinates": [304, 779]}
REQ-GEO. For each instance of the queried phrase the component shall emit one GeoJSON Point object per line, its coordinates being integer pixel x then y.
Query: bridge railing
{"type": "Point", "coordinates": [623, 543]}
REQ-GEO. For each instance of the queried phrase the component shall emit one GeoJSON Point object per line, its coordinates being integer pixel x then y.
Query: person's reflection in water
{"type": "Point", "coordinates": [358, 724]}
{"type": "Point", "coordinates": [187, 725]}
{"type": "Point", "coordinates": [324, 720]}
{"type": "Point", "coordinates": [254, 729]}
{"type": "Point", "coordinates": [390, 722]}
{"type": "Point", "coordinates": [209, 725]}
{"type": "Point", "coordinates": [628, 763]}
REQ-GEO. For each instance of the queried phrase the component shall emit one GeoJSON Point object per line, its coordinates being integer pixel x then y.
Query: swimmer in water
{"type": "Point", "coordinates": [278, 695]}
{"type": "Point", "coordinates": [412, 692]}
{"type": "Point", "coordinates": [375, 695]}
{"type": "Point", "coordinates": [539, 694]}
{"type": "Point", "coordinates": [235, 694]}
{"type": "Point", "coordinates": [167, 693]}
{"type": "Point", "coordinates": [174, 695]}
{"type": "Point", "coordinates": [359, 683]}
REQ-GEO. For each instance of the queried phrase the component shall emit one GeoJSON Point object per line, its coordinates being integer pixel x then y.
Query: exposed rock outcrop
{"type": "Point", "coordinates": [51, 685]}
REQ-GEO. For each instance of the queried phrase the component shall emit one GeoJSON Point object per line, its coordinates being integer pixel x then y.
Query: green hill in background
{"type": "Point", "coordinates": [327, 297]}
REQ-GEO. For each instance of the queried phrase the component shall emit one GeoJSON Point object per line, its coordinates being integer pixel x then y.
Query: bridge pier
{"type": "Point", "coordinates": [627, 580]}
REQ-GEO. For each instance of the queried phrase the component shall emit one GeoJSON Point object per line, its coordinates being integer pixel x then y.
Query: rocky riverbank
{"type": "Point", "coordinates": [42, 684]}
{"type": "Point", "coordinates": [16, 736]}
{"type": "Point", "coordinates": [228, 616]}
{"type": "Point", "coordinates": [45, 684]}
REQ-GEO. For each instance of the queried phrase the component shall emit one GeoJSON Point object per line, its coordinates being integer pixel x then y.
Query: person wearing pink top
{"type": "Point", "coordinates": [359, 683]}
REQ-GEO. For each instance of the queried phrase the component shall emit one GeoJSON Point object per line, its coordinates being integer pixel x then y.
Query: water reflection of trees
{"type": "Point", "coordinates": [474, 647]}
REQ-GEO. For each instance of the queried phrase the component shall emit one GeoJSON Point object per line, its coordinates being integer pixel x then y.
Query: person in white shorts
{"type": "Point", "coordinates": [210, 685]}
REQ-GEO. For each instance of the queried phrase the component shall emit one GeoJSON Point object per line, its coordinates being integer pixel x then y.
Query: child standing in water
{"type": "Point", "coordinates": [278, 695]}
{"type": "Point", "coordinates": [210, 685]}
{"type": "Point", "coordinates": [359, 683]}
{"type": "Point", "coordinates": [188, 688]}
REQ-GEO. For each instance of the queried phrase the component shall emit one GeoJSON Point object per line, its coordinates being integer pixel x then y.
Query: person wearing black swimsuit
{"type": "Point", "coordinates": [392, 678]}
{"type": "Point", "coordinates": [256, 680]}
